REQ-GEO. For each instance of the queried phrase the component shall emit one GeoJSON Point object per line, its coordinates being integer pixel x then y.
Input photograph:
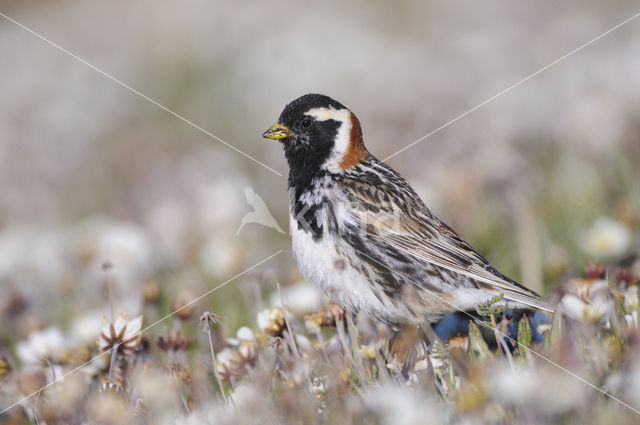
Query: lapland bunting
{"type": "Point", "coordinates": [362, 234]}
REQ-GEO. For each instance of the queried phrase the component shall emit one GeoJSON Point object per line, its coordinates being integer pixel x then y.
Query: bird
{"type": "Point", "coordinates": [362, 234]}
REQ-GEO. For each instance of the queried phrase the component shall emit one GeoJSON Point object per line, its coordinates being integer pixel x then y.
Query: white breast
{"type": "Point", "coordinates": [320, 263]}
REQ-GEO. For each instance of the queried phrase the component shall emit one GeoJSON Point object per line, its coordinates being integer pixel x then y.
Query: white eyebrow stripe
{"type": "Point", "coordinates": [342, 138]}
{"type": "Point", "coordinates": [324, 114]}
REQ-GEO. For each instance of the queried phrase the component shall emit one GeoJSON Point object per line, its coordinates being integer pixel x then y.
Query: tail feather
{"type": "Point", "coordinates": [528, 301]}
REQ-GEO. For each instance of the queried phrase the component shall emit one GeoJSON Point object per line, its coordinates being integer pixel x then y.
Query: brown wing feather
{"type": "Point", "coordinates": [405, 223]}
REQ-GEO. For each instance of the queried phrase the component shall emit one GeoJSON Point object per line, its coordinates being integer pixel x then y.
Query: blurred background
{"type": "Point", "coordinates": [541, 180]}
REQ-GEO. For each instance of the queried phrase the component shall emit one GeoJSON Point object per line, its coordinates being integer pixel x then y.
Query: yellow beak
{"type": "Point", "coordinates": [277, 131]}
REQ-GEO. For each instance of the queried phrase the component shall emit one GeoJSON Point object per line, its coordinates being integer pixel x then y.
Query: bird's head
{"type": "Point", "coordinates": [318, 134]}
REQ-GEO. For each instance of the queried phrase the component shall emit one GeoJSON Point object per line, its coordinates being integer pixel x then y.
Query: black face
{"type": "Point", "coordinates": [311, 141]}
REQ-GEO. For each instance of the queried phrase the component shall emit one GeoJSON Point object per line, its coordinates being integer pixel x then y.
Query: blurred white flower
{"type": "Point", "coordinates": [395, 405]}
{"type": "Point", "coordinates": [242, 334]}
{"type": "Point", "coordinates": [13, 247]}
{"type": "Point", "coordinates": [546, 388]}
{"type": "Point", "coordinates": [224, 366]}
{"type": "Point", "coordinates": [271, 320]}
{"type": "Point", "coordinates": [218, 255]}
{"type": "Point", "coordinates": [32, 249]}
{"type": "Point", "coordinates": [514, 386]}
{"type": "Point", "coordinates": [593, 311]}
{"type": "Point", "coordinates": [303, 343]}
{"type": "Point", "coordinates": [632, 378]}
{"type": "Point", "coordinates": [312, 326]}
{"type": "Point", "coordinates": [587, 300]}
{"type": "Point", "coordinates": [224, 356]}
{"type": "Point", "coordinates": [607, 238]}
{"type": "Point", "coordinates": [83, 328]}
{"type": "Point", "coordinates": [123, 333]}
{"type": "Point", "coordinates": [301, 298]}
{"type": "Point", "coordinates": [245, 334]}
{"type": "Point", "coordinates": [168, 224]}
{"type": "Point", "coordinates": [586, 288]}
{"type": "Point", "coordinates": [631, 298]}
{"type": "Point", "coordinates": [123, 244]}
{"type": "Point", "coordinates": [220, 205]}
{"type": "Point", "coordinates": [47, 254]}
{"type": "Point", "coordinates": [46, 343]}
{"type": "Point", "coordinates": [631, 305]}
{"type": "Point", "coordinates": [126, 246]}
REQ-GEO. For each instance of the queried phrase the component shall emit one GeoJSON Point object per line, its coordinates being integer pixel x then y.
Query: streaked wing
{"type": "Point", "coordinates": [400, 220]}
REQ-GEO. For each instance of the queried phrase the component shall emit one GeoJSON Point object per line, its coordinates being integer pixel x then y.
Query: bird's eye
{"type": "Point", "coordinates": [306, 123]}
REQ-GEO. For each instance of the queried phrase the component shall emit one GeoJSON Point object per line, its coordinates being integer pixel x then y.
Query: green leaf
{"type": "Point", "coordinates": [489, 307]}
{"type": "Point", "coordinates": [524, 335]}
{"type": "Point", "coordinates": [477, 344]}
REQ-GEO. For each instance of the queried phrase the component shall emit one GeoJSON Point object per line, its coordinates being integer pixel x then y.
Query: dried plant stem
{"type": "Point", "coordinates": [322, 346]}
{"type": "Point", "coordinates": [109, 283]}
{"type": "Point", "coordinates": [292, 340]}
{"type": "Point", "coordinates": [133, 399]}
{"type": "Point", "coordinates": [431, 335]}
{"type": "Point", "coordinates": [215, 370]}
{"type": "Point", "coordinates": [431, 372]}
{"type": "Point", "coordinates": [179, 390]}
{"type": "Point", "coordinates": [502, 344]}
{"type": "Point", "coordinates": [355, 349]}
{"type": "Point", "coordinates": [53, 379]}
{"type": "Point", "coordinates": [506, 351]}
{"type": "Point", "coordinates": [343, 339]}
{"type": "Point", "coordinates": [494, 327]}
{"type": "Point", "coordinates": [35, 408]}
{"type": "Point", "coordinates": [383, 372]}
{"type": "Point", "coordinates": [112, 362]}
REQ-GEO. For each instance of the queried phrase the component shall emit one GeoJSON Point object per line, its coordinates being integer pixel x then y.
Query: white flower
{"type": "Point", "coordinates": [169, 223]}
{"type": "Point", "coordinates": [631, 305]}
{"type": "Point", "coordinates": [587, 300]}
{"type": "Point", "coordinates": [14, 242]}
{"type": "Point", "coordinates": [123, 244]}
{"type": "Point", "coordinates": [224, 356]}
{"type": "Point", "coordinates": [594, 311]}
{"type": "Point", "coordinates": [47, 343]}
{"type": "Point", "coordinates": [83, 329]}
{"type": "Point", "coordinates": [513, 385]}
{"type": "Point", "coordinates": [242, 334]}
{"type": "Point", "coordinates": [312, 326]}
{"type": "Point", "coordinates": [544, 388]}
{"type": "Point", "coordinates": [224, 359]}
{"type": "Point", "coordinates": [123, 332]}
{"type": "Point", "coordinates": [301, 298]}
{"type": "Point", "coordinates": [631, 298]}
{"type": "Point", "coordinates": [631, 377]}
{"type": "Point", "coordinates": [303, 343]}
{"type": "Point", "coordinates": [607, 238]}
{"type": "Point", "coordinates": [32, 249]}
{"type": "Point", "coordinates": [47, 254]}
{"type": "Point", "coordinates": [587, 289]}
{"type": "Point", "coordinates": [271, 320]}
{"type": "Point", "coordinates": [218, 255]}
{"type": "Point", "coordinates": [219, 205]}
{"type": "Point", "coordinates": [126, 246]}
{"type": "Point", "coordinates": [401, 406]}
{"type": "Point", "coordinates": [245, 334]}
